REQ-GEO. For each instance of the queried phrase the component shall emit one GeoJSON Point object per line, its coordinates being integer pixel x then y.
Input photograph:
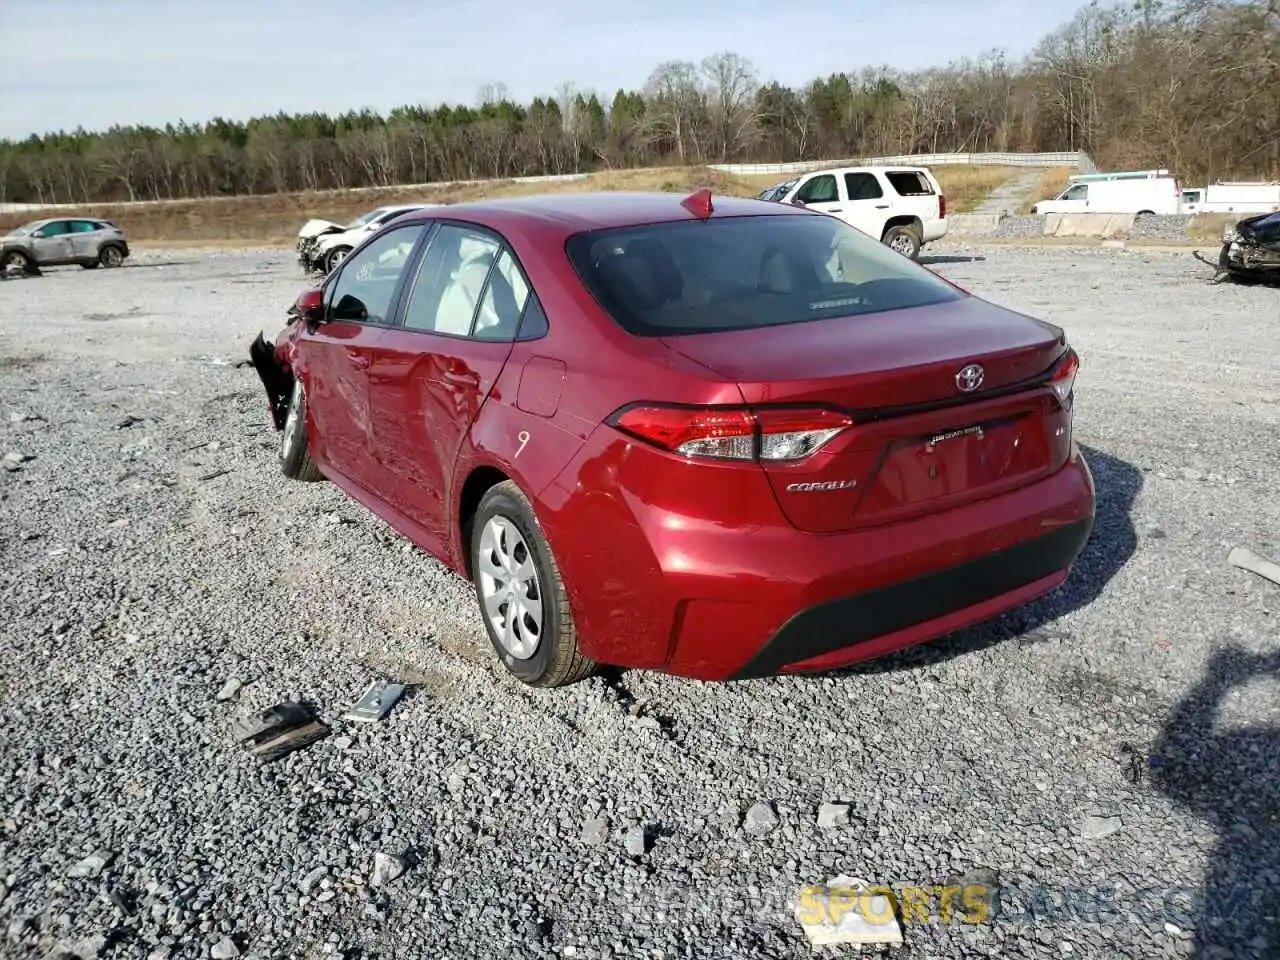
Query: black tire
{"type": "Point", "coordinates": [111, 256]}
{"type": "Point", "coordinates": [555, 660]}
{"type": "Point", "coordinates": [295, 455]}
{"type": "Point", "coordinates": [15, 258]}
{"type": "Point", "coordinates": [335, 257]}
{"type": "Point", "coordinates": [903, 240]}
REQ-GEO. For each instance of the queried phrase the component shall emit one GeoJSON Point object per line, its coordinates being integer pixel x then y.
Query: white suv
{"type": "Point", "coordinates": [903, 207]}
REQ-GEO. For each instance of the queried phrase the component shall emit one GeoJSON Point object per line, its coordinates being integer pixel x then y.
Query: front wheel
{"type": "Point", "coordinates": [295, 456]}
{"type": "Point", "coordinates": [15, 258]}
{"type": "Point", "coordinates": [903, 240]}
{"type": "Point", "coordinates": [522, 597]}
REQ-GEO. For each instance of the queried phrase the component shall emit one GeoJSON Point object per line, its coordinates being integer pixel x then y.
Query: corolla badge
{"type": "Point", "coordinates": [818, 485]}
{"type": "Point", "coordinates": [969, 378]}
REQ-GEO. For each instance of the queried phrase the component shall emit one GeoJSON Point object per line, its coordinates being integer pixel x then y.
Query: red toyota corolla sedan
{"type": "Point", "coordinates": [715, 437]}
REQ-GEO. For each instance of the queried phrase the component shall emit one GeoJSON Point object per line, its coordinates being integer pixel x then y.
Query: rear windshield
{"type": "Point", "coordinates": [694, 276]}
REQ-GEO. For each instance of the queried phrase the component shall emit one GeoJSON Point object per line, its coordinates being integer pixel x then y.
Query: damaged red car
{"type": "Point", "coordinates": [715, 437]}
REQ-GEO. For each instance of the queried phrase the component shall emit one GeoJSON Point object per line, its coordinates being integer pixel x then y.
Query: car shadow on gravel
{"type": "Point", "coordinates": [1231, 779]}
{"type": "Point", "coordinates": [1111, 544]}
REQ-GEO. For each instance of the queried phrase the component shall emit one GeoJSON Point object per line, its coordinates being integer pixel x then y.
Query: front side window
{"type": "Point", "coordinates": [821, 189]}
{"type": "Point", "coordinates": [57, 228]}
{"type": "Point", "coordinates": [367, 280]}
{"type": "Point", "coordinates": [736, 273]}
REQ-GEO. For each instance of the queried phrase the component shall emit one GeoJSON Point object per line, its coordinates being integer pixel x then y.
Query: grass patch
{"type": "Point", "coordinates": [274, 219]}
{"type": "Point", "coordinates": [1208, 227]}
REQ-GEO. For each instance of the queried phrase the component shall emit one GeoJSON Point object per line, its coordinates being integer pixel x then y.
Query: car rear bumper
{"type": "Point", "coordinates": [719, 600]}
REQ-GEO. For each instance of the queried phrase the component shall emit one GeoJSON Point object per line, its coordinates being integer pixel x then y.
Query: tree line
{"type": "Point", "coordinates": [1193, 85]}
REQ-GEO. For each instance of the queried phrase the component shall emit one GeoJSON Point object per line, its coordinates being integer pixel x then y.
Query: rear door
{"type": "Point", "coordinates": [360, 299]}
{"type": "Point", "coordinates": [867, 207]}
{"type": "Point", "coordinates": [85, 237]}
{"type": "Point", "coordinates": [434, 370]}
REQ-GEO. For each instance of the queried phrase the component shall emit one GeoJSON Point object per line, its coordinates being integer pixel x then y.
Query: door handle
{"type": "Point", "coordinates": [834, 210]}
{"type": "Point", "coordinates": [467, 379]}
{"type": "Point", "coordinates": [882, 206]}
{"type": "Point", "coordinates": [358, 360]}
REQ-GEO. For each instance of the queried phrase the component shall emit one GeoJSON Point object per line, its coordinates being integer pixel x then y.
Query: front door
{"type": "Point", "coordinates": [433, 371]}
{"type": "Point", "coordinates": [822, 192]}
{"type": "Point", "coordinates": [52, 243]}
{"type": "Point", "coordinates": [359, 303]}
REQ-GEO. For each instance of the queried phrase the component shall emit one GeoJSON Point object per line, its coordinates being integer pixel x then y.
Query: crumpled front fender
{"type": "Point", "coordinates": [272, 366]}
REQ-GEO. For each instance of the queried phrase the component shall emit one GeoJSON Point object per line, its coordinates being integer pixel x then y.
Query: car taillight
{"type": "Point", "coordinates": [729, 433]}
{"type": "Point", "coordinates": [942, 207]}
{"type": "Point", "coordinates": [1064, 378]}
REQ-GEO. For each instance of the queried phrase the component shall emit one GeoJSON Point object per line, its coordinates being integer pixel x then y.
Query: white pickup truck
{"type": "Point", "coordinates": [903, 207]}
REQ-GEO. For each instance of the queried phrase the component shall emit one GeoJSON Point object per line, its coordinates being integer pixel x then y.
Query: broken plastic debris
{"type": "Point", "coordinates": [376, 702]}
{"type": "Point", "coordinates": [279, 730]}
{"type": "Point", "coordinates": [847, 910]}
{"type": "Point", "coordinates": [1246, 559]}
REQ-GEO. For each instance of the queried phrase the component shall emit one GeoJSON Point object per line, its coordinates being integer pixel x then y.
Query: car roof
{"type": "Point", "coordinates": [601, 210]}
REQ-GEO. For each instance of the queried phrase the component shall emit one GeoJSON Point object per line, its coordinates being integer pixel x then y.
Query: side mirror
{"type": "Point", "coordinates": [309, 307]}
{"type": "Point", "coordinates": [797, 201]}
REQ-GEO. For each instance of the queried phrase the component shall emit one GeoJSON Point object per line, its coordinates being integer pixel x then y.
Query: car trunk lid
{"type": "Point", "coordinates": [921, 440]}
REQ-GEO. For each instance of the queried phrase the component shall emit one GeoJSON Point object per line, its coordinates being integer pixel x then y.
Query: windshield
{"type": "Point", "coordinates": [365, 218]}
{"type": "Point", "coordinates": [779, 191]}
{"type": "Point", "coordinates": [687, 277]}
{"type": "Point", "coordinates": [26, 228]}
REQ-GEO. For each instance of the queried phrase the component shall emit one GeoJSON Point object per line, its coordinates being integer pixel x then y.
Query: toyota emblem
{"type": "Point", "coordinates": [969, 378]}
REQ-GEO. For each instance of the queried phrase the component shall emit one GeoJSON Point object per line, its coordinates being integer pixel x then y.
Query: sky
{"type": "Point", "coordinates": [69, 63]}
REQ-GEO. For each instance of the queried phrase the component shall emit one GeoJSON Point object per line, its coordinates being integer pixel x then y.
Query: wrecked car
{"type": "Point", "coordinates": [322, 244]}
{"type": "Point", "coordinates": [1251, 249]}
{"type": "Point", "coordinates": [669, 433]}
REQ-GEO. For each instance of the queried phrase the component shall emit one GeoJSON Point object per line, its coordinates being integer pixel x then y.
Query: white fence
{"type": "Point", "coordinates": [1078, 159]}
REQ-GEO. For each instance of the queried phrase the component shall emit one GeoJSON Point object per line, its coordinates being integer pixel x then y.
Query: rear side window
{"type": "Point", "coordinates": [84, 226]}
{"type": "Point", "coordinates": [688, 277]}
{"type": "Point", "coordinates": [909, 183]}
{"type": "Point", "coordinates": [862, 186]}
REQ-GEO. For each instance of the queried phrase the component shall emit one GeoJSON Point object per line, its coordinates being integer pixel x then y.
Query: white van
{"type": "Point", "coordinates": [1232, 197]}
{"type": "Point", "coordinates": [1139, 192]}
{"type": "Point", "coordinates": [903, 207]}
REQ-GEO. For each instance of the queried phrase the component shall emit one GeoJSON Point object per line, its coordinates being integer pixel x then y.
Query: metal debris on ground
{"type": "Point", "coordinates": [376, 702]}
{"type": "Point", "coordinates": [847, 910]}
{"type": "Point", "coordinates": [279, 730]}
{"type": "Point", "coordinates": [1246, 559]}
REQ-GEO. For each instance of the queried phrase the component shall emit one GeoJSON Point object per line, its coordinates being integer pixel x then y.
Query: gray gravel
{"type": "Point", "coordinates": [133, 592]}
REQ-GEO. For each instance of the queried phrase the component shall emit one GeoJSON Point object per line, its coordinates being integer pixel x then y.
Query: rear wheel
{"type": "Point", "coordinates": [522, 597]}
{"type": "Point", "coordinates": [111, 256]}
{"type": "Point", "coordinates": [295, 457]}
{"type": "Point", "coordinates": [903, 240]}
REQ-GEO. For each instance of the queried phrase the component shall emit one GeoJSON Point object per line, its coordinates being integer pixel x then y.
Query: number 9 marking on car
{"type": "Point", "coordinates": [523, 437]}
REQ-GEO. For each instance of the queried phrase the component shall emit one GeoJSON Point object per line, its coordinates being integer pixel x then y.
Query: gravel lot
{"type": "Point", "coordinates": [1106, 752]}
